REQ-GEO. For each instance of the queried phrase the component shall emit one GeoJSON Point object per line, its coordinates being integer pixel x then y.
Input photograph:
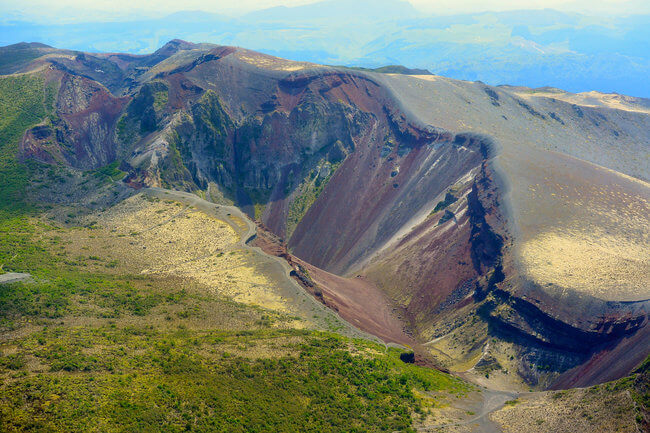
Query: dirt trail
{"type": "Point", "coordinates": [274, 267]}
{"type": "Point", "coordinates": [480, 408]}
{"type": "Point", "coordinates": [492, 401]}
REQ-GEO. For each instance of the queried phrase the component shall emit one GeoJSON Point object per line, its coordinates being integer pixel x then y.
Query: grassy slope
{"type": "Point", "coordinates": [110, 352]}
{"type": "Point", "coordinates": [24, 101]}
{"type": "Point", "coordinates": [13, 59]}
{"type": "Point", "coordinates": [308, 191]}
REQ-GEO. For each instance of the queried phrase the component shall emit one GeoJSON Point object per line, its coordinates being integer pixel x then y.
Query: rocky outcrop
{"type": "Point", "coordinates": [81, 131]}
{"type": "Point", "coordinates": [485, 243]}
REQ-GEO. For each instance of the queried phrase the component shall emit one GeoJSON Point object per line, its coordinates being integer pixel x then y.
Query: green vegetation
{"type": "Point", "coordinates": [113, 352]}
{"type": "Point", "coordinates": [639, 384]}
{"type": "Point", "coordinates": [63, 286]}
{"type": "Point", "coordinates": [612, 405]}
{"type": "Point", "coordinates": [110, 172]}
{"type": "Point", "coordinates": [138, 378]}
{"type": "Point", "coordinates": [173, 171]}
{"type": "Point", "coordinates": [260, 198]}
{"type": "Point", "coordinates": [212, 123]}
{"type": "Point", "coordinates": [446, 217]}
{"type": "Point", "coordinates": [13, 57]}
{"type": "Point", "coordinates": [160, 98]}
{"type": "Point", "coordinates": [24, 101]}
{"type": "Point", "coordinates": [448, 200]}
{"type": "Point", "coordinates": [143, 112]}
{"type": "Point", "coordinates": [308, 192]}
{"type": "Point", "coordinates": [126, 132]}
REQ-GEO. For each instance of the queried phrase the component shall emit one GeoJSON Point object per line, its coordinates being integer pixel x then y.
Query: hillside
{"type": "Point", "coordinates": [206, 209]}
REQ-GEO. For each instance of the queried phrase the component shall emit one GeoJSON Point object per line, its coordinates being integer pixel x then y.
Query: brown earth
{"type": "Point", "coordinates": [81, 135]}
{"type": "Point", "coordinates": [356, 300]}
{"type": "Point", "coordinates": [361, 303]}
{"type": "Point", "coordinates": [614, 360]}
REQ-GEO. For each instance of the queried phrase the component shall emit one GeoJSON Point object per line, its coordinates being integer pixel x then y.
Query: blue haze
{"type": "Point", "coordinates": [531, 48]}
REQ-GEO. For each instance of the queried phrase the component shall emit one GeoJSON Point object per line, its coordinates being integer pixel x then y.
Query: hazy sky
{"type": "Point", "coordinates": [79, 10]}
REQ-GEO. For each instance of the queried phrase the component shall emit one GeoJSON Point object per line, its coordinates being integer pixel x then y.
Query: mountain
{"type": "Point", "coordinates": [499, 232]}
{"type": "Point", "coordinates": [530, 47]}
{"type": "Point", "coordinates": [329, 10]}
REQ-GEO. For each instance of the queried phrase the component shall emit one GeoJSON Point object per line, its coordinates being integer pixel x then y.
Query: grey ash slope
{"type": "Point", "coordinates": [545, 254]}
{"type": "Point", "coordinates": [574, 172]}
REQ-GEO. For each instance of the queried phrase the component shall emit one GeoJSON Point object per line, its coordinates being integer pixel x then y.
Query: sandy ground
{"type": "Point", "coordinates": [587, 262]}
{"type": "Point", "coordinates": [592, 99]}
{"type": "Point", "coordinates": [169, 233]}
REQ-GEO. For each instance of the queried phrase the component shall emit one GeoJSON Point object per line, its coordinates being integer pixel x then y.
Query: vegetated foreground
{"type": "Point", "coordinates": [99, 343]}
{"type": "Point", "coordinates": [151, 311]}
{"type": "Point", "coordinates": [110, 339]}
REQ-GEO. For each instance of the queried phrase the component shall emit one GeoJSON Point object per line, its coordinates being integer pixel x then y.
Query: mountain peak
{"type": "Point", "coordinates": [26, 45]}
{"type": "Point", "coordinates": [174, 46]}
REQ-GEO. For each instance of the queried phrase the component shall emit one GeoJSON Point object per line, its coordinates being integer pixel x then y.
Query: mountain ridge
{"type": "Point", "coordinates": [567, 50]}
{"type": "Point", "coordinates": [320, 153]}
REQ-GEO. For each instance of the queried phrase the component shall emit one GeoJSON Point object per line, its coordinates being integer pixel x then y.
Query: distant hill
{"type": "Point", "coordinates": [395, 69]}
{"type": "Point", "coordinates": [529, 48]}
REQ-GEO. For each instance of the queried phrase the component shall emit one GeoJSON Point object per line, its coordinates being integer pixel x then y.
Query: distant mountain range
{"type": "Point", "coordinates": [531, 48]}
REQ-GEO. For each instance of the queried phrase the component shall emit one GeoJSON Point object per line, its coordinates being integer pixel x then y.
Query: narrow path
{"type": "Point", "coordinates": [491, 401]}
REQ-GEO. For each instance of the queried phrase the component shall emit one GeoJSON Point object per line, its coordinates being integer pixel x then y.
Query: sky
{"type": "Point", "coordinates": [84, 10]}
